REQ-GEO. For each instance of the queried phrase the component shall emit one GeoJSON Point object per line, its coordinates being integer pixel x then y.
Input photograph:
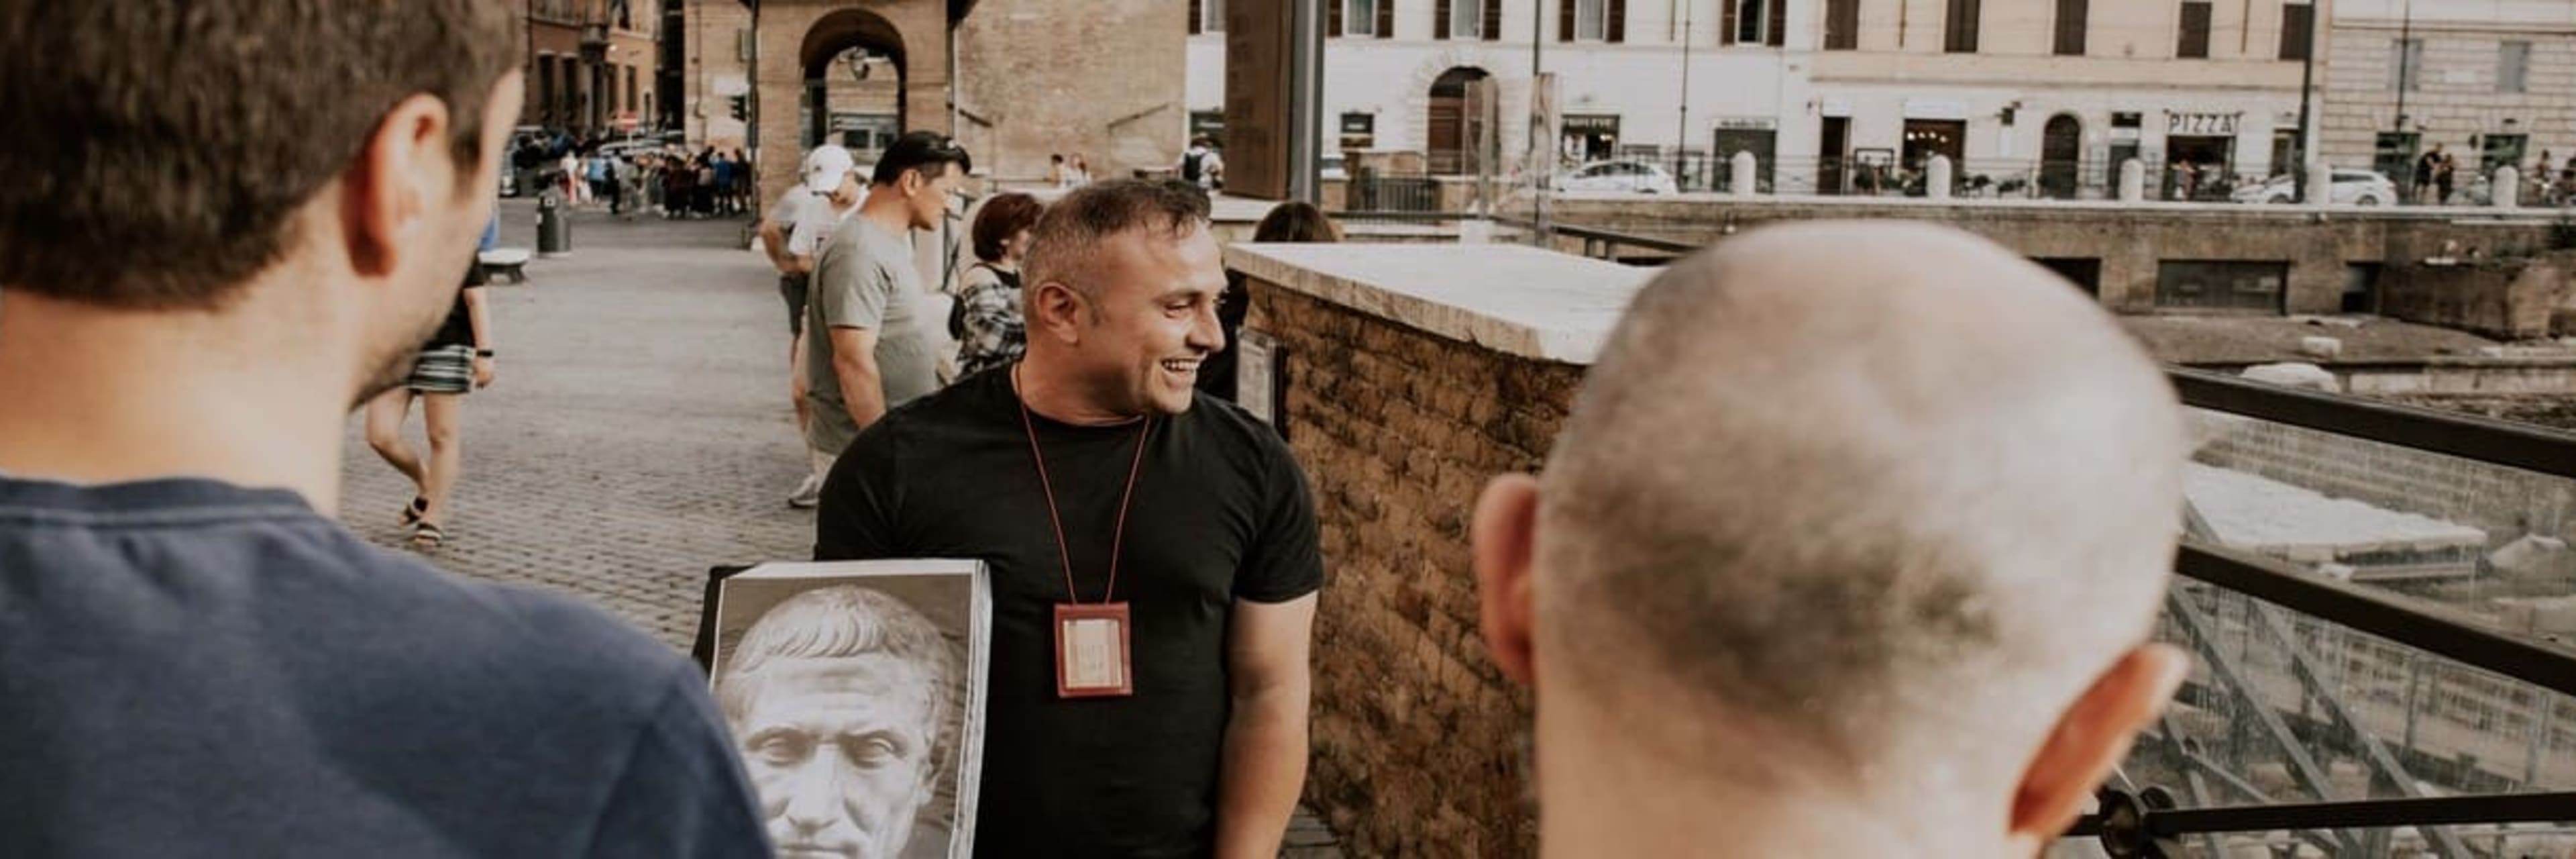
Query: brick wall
{"type": "Point", "coordinates": [1417, 736]}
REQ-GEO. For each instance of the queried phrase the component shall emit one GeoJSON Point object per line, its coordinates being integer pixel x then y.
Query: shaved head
{"type": "Point", "coordinates": [1882, 493]}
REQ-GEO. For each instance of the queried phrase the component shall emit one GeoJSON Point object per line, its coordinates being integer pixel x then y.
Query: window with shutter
{"type": "Point", "coordinates": [2298, 30]}
{"type": "Point", "coordinates": [1385, 18]}
{"type": "Point", "coordinates": [1195, 12]}
{"type": "Point", "coordinates": [1726, 22]}
{"type": "Point", "coordinates": [1494, 20]}
{"type": "Point", "coordinates": [1777, 34]}
{"type": "Point", "coordinates": [1440, 19]}
{"type": "Point", "coordinates": [1617, 29]}
{"type": "Point", "coordinates": [1333, 17]}
{"type": "Point", "coordinates": [1565, 20]}
{"type": "Point", "coordinates": [1842, 25]}
{"type": "Point", "coordinates": [1960, 32]}
{"type": "Point", "coordinates": [2072, 19]}
{"type": "Point", "coordinates": [2195, 32]}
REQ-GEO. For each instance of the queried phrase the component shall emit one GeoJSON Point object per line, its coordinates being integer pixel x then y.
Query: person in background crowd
{"type": "Point", "coordinates": [803, 220]}
{"type": "Point", "coordinates": [1746, 603]}
{"type": "Point", "coordinates": [1201, 165]}
{"type": "Point", "coordinates": [742, 179]}
{"type": "Point", "coordinates": [458, 358]}
{"type": "Point", "coordinates": [2445, 175]}
{"type": "Point", "coordinates": [988, 326]}
{"type": "Point", "coordinates": [1293, 221]}
{"type": "Point", "coordinates": [196, 657]}
{"type": "Point", "coordinates": [866, 352]}
{"type": "Point", "coordinates": [2426, 166]}
{"type": "Point", "coordinates": [723, 187]}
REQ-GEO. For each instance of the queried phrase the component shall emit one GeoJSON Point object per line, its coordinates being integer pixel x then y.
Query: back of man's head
{"type": "Point", "coordinates": [1850, 510]}
{"type": "Point", "coordinates": [160, 151]}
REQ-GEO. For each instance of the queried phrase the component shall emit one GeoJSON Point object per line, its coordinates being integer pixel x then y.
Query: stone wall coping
{"type": "Point", "coordinates": [1515, 299]}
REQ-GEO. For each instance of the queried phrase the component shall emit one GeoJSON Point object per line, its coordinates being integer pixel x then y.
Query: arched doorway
{"type": "Point", "coordinates": [2061, 153]}
{"type": "Point", "coordinates": [901, 45]}
{"type": "Point", "coordinates": [1451, 129]}
{"type": "Point", "coordinates": [853, 94]}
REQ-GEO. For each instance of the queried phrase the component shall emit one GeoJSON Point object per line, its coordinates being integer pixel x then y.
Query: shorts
{"type": "Point", "coordinates": [793, 287]}
{"type": "Point", "coordinates": [443, 370]}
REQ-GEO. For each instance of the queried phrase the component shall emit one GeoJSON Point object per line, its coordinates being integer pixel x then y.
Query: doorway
{"type": "Point", "coordinates": [1832, 147]}
{"type": "Point", "coordinates": [2061, 153]}
{"type": "Point", "coordinates": [1449, 126]}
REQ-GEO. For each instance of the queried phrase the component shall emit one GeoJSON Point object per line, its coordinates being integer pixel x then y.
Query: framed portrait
{"type": "Point", "coordinates": [854, 692]}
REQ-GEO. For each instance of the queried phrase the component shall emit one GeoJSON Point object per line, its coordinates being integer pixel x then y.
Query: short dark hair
{"type": "Point", "coordinates": [1075, 226]}
{"type": "Point", "coordinates": [163, 150]}
{"type": "Point", "coordinates": [920, 150]}
{"type": "Point", "coordinates": [1297, 221]}
{"type": "Point", "coordinates": [1001, 218]}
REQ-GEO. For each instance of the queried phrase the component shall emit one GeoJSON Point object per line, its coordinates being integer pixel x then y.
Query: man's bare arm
{"type": "Point", "coordinates": [1264, 770]}
{"type": "Point", "coordinates": [854, 365]}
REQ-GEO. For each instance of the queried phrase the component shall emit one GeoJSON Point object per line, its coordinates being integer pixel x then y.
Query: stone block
{"type": "Point", "coordinates": [2321, 347]}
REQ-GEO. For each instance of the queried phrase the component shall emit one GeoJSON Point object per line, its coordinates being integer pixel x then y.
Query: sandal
{"type": "Point", "coordinates": [427, 536]}
{"type": "Point", "coordinates": [411, 514]}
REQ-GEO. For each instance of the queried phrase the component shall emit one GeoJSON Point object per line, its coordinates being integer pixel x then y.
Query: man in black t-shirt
{"type": "Point", "coordinates": [1111, 498]}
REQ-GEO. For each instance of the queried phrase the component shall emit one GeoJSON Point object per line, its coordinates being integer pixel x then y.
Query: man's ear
{"type": "Point", "coordinates": [1058, 311]}
{"type": "Point", "coordinates": [404, 169]}
{"type": "Point", "coordinates": [2092, 737]}
{"type": "Point", "coordinates": [1503, 537]}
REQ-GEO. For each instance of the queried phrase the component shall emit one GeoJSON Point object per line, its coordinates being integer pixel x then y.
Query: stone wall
{"type": "Point", "coordinates": [2509, 299]}
{"type": "Point", "coordinates": [1102, 78]}
{"type": "Point", "coordinates": [1416, 732]}
{"type": "Point", "coordinates": [2130, 240]}
{"type": "Point", "coordinates": [2505, 502]}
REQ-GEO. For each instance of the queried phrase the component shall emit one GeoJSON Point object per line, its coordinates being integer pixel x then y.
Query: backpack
{"type": "Point", "coordinates": [1190, 166]}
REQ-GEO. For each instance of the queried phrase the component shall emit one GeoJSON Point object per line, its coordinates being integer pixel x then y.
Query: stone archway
{"type": "Point", "coordinates": [1449, 128]}
{"type": "Point", "coordinates": [805, 41]}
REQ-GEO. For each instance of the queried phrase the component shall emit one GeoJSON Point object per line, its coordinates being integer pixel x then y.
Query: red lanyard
{"type": "Point", "coordinates": [1118, 537]}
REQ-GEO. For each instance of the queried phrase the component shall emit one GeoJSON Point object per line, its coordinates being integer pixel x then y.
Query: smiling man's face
{"type": "Point", "coordinates": [1153, 309]}
{"type": "Point", "coordinates": [840, 753]}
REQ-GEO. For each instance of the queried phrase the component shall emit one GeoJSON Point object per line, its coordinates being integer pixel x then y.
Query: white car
{"type": "Point", "coordinates": [2351, 187]}
{"type": "Point", "coordinates": [1636, 177]}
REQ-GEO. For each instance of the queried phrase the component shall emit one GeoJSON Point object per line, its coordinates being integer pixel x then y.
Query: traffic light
{"type": "Point", "coordinates": [741, 107]}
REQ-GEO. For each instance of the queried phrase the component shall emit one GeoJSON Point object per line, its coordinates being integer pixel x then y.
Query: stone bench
{"type": "Point", "coordinates": [505, 261]}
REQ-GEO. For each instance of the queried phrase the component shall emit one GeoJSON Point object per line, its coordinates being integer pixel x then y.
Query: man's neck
{"type": "Point", "coordinates": [884, 208]}
{"type": "Point", "coordinates": [1058, 396]}
{"type": "Point", "coordinates": [98, 396]}
{"type": "Point", "coordinates": [1601, 795]}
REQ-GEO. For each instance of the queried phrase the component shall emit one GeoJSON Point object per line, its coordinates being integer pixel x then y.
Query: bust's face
{"type": "Point", "coordinates": [840, 752]}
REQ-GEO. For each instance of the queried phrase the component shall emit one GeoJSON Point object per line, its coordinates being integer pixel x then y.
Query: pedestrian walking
{"type": "Point", "coordinates": [865, 352]}
{"type": "Point", "coordinates": [987, 323]}
{"type": "Point", "coordinates": [2426, 166]}
{"type": "Point", "coordinates": [196, 657]}
{"type": "Point", "coordinates": [805, 215]}
{"type": "Point", "coordinates": [458, 358]}
{"type": "Point", "coordinates": [2444, 175]}
{"type": "Point", "coordinates": [722, 189]}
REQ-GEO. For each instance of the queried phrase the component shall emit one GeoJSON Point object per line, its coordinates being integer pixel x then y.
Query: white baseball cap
{"type": "Point", "coordinates": [825, 166]}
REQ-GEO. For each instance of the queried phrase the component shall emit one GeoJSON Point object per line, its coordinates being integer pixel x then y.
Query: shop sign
{"type": "Point", "coordinates": [2201, 124]}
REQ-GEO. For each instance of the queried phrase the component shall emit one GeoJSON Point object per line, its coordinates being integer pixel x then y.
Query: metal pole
{"type": "Point", "coordinates": [1305, 98]}
{"type": "Point", "coordinates": [1545, 151]}
{"type": "Point", "coordinates": [2405, 77]}
{"type": "Point", "coordinates": [1681, 134]}
{"type": "Point", "coordinates": [2307, 87]}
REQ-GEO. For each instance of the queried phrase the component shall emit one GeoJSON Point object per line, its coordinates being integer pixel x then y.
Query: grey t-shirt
{"type": "Point", "coordinates": [189, 668]}
{"type": "Point", "coordinates": [864, 279]}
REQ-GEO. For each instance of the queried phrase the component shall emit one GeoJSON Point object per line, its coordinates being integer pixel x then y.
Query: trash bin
{"type": "Point", "coordinates": [554, 230]}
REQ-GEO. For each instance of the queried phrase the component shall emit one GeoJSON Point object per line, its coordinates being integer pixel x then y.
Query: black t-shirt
{"type": "Point", "coordinates": [1220, 514]}
{"type": "Point", "coordinates": [458, 330]}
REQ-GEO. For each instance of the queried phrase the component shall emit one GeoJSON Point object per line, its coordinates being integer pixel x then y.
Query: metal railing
{"type": "Point", "coordinates": [2149, 822]}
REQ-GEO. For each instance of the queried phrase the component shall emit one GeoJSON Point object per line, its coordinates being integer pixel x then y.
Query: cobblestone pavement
{"type": "Point", "coordinates": [638, 432]}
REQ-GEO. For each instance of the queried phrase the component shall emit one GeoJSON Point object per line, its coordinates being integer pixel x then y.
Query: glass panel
{"type": "Point", "coordinates": [1591, 19]}
{"type": "Point", "coordinates": [1466, 19]}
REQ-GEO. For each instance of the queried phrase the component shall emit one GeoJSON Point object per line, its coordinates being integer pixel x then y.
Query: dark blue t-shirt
{"type": "Point", "coordinates": [189, 668]}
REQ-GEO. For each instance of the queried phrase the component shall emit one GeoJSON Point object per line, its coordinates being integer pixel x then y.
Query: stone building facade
{"type": "Point", "coordinates": [715, 86]}
{"type": "Point", "coordinates": [2492, 82]}
{"type": "Point", "coordinates": [592, 65]}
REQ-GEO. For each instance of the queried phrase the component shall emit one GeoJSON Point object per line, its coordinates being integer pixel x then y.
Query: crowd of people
{"type": "Point", "coordinates": [1824, 609]}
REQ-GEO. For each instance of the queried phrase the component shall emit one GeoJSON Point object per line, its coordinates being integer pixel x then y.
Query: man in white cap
{"type": "Point", "coordinates": [826, 192]}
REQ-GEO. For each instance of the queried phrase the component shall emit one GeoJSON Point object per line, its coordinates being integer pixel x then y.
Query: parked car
{"type": "Point", "coordinates": [1636, 177]}
{"type": "Point", "coordinates": [2351, 187]}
